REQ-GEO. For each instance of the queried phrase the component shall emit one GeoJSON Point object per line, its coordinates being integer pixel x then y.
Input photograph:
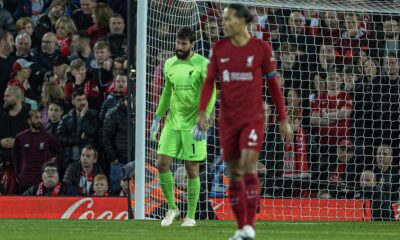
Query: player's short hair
{"type": "Point", "coordinates": [186, 33]}
{"type": "Point", "coordinates": [102, 45]}
{"type": "Point", "coordinates": [242, 12]}
{"type": "Point", "coordinates": [100, 177]}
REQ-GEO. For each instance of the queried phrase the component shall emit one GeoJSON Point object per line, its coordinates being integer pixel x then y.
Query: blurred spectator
{"type": "Point", "coordinates": [386, 102]}
{"type": "Point", "coordinates": [331, 113]}
{"type": "Point", "coordinates": [318, 85]}
{"type": "Point", "coordinates": [81, 79]}
{"type": "Point", "coordinates": [351, 74]}
{"type": "Point", "coordinates": [31, 150]}
{"type": "Point", "coordinates": [23, 46]}
{"type": "Point", "coordinates": [47, 22]}
{"type": "Point", "coordinates": [387, 173]}
{"type": "Point", "coordinates": [101, 66]}
{"type": "Point", "coordinates": [101, 21]}
{"type": "Point", "coordinates": [79, 175]}
{"type": "Point", "coordinates": [45, 57]}
{"type": "Point", "coordinates": [390, 42]}
{"type": "Point", "coordinates": [81, 48]}
{"type": "Point", "coordinates": [331, 28]}
{"type": "Point", "coordinates": [210, 35]}
{"type": "Point", "coordinates": [123, 188]}
{"type": "Point", "coordinates": [116, 97]}
{"type": "Point", "coordinates": [371, 189]}
{"type": "Point", "coordinates": [100, 185]}
{"type": "Point", "coordinates": [83, 16]}
{"type": "Point", "coordinates": [50, 184]}
{"type": "Point", "coordinates": [6, 20]}
{"type": "Point", "coordinates": [116, 37]}
{"type": "Point", "coordinates": [55, 112]}
{"type": "Point", "coordinates": [25, 25]}
{"type": "Point", "coordinates": [327, 58]}
{"type": "Point", "coordinates": [78, 127]}
{"type": "Point", "coordinates": [31, 8]}
{"type": "Point", "coordinates": [6, 61]}
{"type": "Point", "coordinates": [21, 70]}
{"type": "Point", "coordinates": [12, 121]}
{"type": "Point", "coordinates": [51, 92]}
{"type": "Point", "coordinates": [115, 141]}
{"type": "Point", "coordinates": [293, 100]}
{"type": "Point", "coordinates": [60, 73]}
{"type": "Point", "coordinates": [65, 29]}
{"type": "Point", "coordinates": [289, 66]}
{"type": "Point", "coordinates": [118, 68]}
{"type": "Point", "coordinates": [341, 174]}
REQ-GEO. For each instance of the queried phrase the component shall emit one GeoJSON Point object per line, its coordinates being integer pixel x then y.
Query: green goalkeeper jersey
{"type": "Point", "coordinates": [181, 94]}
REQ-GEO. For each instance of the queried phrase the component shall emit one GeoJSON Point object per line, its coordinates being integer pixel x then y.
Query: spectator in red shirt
{"type": "Point", "coordinates": [101, 18]}
{"type": "Point", "coordinates": [50, 185]}
{"type": "Point", "coordinates": [331, 113]}
{"type": "Point", "coordinates": [31, 150]}
{"type": "Point", "coordinates": [65, 29]}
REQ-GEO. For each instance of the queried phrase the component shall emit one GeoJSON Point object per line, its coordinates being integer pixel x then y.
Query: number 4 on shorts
{"type": "Point", "coordinates": [252, 137]}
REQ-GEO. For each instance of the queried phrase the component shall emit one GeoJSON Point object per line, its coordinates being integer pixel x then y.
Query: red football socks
{"type": "Point", "coordinates": [252, 194]}
{"type": "Point", "coordinates": [238, 202]}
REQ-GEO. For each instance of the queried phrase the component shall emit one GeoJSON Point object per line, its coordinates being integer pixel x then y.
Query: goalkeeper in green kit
{"type": "Point", "coordinates": [180, 138]}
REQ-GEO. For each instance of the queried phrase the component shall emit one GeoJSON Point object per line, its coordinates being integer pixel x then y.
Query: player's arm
{"type": "Point", "coordinates": [211, 103]}
{"type": "Point", "coordinates": [208, 93]}
{"type": "Point", "coordinates": [275, 91]}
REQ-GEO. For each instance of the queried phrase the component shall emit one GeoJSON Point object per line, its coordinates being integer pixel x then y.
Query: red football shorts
{"type": "Point", "coordinates": [245, 136]}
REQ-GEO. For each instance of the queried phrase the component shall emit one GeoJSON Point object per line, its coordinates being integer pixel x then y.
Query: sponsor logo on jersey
{"type": "Point", "coordinates": [250, 60]}
{"type": "Point", "coordinates": [236, 76]}
{"type": "Point", "coordinates": [224, 60]}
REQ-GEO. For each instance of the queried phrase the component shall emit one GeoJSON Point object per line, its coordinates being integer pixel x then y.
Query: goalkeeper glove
{"type": "Point", "coordinates": [199, 135]}
{"type": "Point", "coordinates": [154, 128]}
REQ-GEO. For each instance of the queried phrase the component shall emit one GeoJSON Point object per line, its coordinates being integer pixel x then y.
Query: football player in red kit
{"type": "Point", "coordinates": [242, 64]}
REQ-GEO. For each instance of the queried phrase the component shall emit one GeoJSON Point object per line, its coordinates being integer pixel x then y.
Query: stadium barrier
{"type": "Point", "coordinates": [114, 208]}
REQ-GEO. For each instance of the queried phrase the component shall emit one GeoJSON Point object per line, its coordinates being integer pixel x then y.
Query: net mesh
{"type": "Point", "coordinates": [339, 70]}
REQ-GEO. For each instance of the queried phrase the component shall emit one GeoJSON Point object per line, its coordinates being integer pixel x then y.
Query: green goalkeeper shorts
{"type": "Point", "coordinates": [180, 145]}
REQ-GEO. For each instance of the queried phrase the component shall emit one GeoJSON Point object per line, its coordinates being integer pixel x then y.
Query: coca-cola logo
{"type": "Point", "coordinates": [91, 212]}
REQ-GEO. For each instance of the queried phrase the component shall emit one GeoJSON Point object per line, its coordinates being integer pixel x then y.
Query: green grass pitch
{"type": "Point", "coordinates": [207, 230]}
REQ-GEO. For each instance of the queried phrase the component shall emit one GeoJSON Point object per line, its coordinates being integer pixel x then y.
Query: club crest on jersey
{"type": "Point", "coordinates": [250, 61]}
{"type": "Point", "coordinates": [225, 76]}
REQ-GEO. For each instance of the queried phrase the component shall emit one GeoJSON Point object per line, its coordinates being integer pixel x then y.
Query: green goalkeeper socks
{"type": "Point", "coordinates": [167, 186]}
{"type": "Point", "coordinates": [193, 196]}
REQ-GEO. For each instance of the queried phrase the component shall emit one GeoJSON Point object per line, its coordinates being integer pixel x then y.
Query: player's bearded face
{"type": "Point", "coordinates": [181, 54]}
{"type": "Point", "coordinates": [183, 48]}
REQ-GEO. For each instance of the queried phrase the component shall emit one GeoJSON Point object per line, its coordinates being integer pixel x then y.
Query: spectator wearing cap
{"type": "Point", "coordinates": [80, 175]}
{"type": "Point", "coordinates": [6, 60]}
{"type": "Point", "coordinates": [50, 184]}
{"type": "Point", "coordinates": [114, 141]}
{"type": "Point", "coordinates": [387, 172]}
{"type": "Point", "coordinates": [83, 16]}
{"type": "Point", "coordinates": [101, 21]}
{"type": "Point", "coordinates": [61, 71]}
{"type": "Point", "coordinates": [78, 127]}
{"type": "Point", "coordinates": [31, 150]}
{"type": "Point", "coordinates": [12, 121]}
{"type": "Point", "coordinates": [22, 71]}
{"type": "Point", "coordinates": [117, 36]}
{"type": "Point", "coordinates": [81, 48]}
{"type": "Point", "coordinates": [81, 79]}
{"type": "Point", "coordinates": [65, 29]}
{"type": "Point", "coordinates": [115, 97]}
{"type": "Point", "coordinates": [46, 22]}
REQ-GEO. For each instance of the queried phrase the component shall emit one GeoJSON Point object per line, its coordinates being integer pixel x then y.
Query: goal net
{"type": "Point", "coordinates": [338, 64]}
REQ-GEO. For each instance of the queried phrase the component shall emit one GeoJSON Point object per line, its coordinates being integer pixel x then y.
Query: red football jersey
{"type": "Point", "coordinates": [241, 72]}
{"type": "Point", "coordinates": [331, 134]}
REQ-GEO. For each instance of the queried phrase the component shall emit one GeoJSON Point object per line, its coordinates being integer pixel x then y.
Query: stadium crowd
{"type": "Point", "coordinates": [63, 89]}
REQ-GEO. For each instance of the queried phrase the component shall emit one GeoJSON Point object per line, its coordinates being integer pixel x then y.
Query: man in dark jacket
{"type": "Point", "coordinates": [32, 149]}
{"type": "Point", "coordinates": [80, 175]}
{"type": "Point", "coordinates": [116, 37]}
{"type": "Point", "coordinates": [78, 128]}
{"type": "Point", "coordinates": [116, 97]}
{"type": "Point", "coordinates": [12, 121]}
{"type": "Point", "coordinates": [55, 112]}
{"type": "Point", "coordinates": [50, 185]}
{"type": "Point", "coordinates": [115, 142]}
